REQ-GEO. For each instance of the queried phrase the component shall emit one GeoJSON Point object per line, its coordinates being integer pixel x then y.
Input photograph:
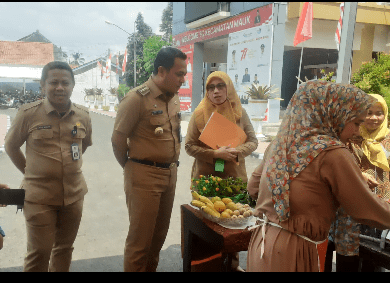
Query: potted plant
{"type": "Point", "coordinates": [86, 101]}
{"type": "Point", "coordinates": [258, 99]}
{"type": "Point", "coordinates": [90, 96]}
{"type": "Point", "coordinates": [112, 98]}
{"type": "Point", "coordinates": [99, 97]}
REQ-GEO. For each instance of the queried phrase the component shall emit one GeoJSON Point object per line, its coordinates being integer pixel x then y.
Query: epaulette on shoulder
{"type": "Point", "coordinates": [81, 107]}
{"type": "Point", "coordinates": [143, 90]}
{"type": "Point", "coordinates": [31, 105]}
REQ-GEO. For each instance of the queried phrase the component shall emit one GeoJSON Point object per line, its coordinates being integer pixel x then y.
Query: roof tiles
{"type": "Point", "coordinates": [26, 53]}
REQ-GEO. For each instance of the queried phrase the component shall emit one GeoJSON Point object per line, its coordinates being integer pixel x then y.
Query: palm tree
{"type": "Point", "coordinates": [77, 59]}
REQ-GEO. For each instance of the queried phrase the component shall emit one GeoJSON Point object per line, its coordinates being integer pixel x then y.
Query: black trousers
{"type": "Point", "coordinates": [346, 263]}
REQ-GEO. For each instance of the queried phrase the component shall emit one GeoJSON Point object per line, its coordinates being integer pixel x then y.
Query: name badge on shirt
{"type": "Point", "coordinates": [75, 151]}
{"type": "Point", "coordinates": [44, 127]}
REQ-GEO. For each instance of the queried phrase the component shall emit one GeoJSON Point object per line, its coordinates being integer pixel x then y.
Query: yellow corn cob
{"type": "Point", "coordinates": [210, 211]}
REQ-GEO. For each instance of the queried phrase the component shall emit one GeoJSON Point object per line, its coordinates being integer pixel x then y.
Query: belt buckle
{"type": "Point", "coordinates": [172, 165]}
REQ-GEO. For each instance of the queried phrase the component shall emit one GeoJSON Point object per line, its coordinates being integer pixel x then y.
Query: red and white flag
{"type": "Point", "coordinates": [339, 26]}
{"type": "Point", "coordinates": [108, 66]}
{"type": "Point", "coordinates": [117, 63]}
{"type": "Point", "coordinates": [304, 27]}
{"type": "Point", "coordinates": [124, 61]}
{"type": "Point", "coordinates": [101, 69]}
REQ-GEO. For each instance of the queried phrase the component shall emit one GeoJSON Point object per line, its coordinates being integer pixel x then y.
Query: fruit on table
{"type": "Point", "coordinates": [214, 199]}
{"type": "Point", "coordinates": [195, 195]}
{"type": "Point", "coordinates": [197, 203]}
{"type": "Point", "coordinates": [220, 209]}
{"type": "Point", "coordinates": [210, 211]}
{"type": "Point", "coordinates": [226, 200]}
{"type": "Point", "coordinates": [219, 206]}
{"type": "Point", "coordinates": [205, 200]}
{"type": "Point", "coordinates": [225, 214]}
{"type": "Point", "coordinates": [231, 206]}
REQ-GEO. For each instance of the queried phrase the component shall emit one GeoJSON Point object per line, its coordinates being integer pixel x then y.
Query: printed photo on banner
{"type": "Point", "coordinates": [249, 57]}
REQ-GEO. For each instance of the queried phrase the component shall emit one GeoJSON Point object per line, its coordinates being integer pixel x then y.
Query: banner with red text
{"type": "Point", "coordinates": [185, 92]}
{"type": "Point", "coordinates": [252, 18]}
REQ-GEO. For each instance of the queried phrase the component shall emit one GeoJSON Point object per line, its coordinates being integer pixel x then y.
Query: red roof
{"type": "Point", "coordinates": [26, 53]}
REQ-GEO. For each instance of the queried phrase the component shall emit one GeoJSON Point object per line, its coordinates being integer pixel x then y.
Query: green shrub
{"type": "Point", "coordinates": [374, 77]}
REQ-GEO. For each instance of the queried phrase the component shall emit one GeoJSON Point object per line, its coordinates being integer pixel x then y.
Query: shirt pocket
{"type": "Point", "coordinates": [81, 133]}
{"type": "Point", "coordinates": [158, 121]}
{"type": "Point", "coordinates": [42, 134]}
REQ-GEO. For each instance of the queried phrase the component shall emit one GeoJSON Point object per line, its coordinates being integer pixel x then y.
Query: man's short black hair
{"type": "Point", "coordinates": [55, 65]}
{"type": "Point", "coordinates": [166, 58]}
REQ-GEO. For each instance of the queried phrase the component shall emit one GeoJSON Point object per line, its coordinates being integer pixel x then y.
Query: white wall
{"type": "Point", "coordinates": [324, 35]}
{"type": "Point", "coordinates": [20, 72]}
{"type": "Point", "coordinates": [92, 79]}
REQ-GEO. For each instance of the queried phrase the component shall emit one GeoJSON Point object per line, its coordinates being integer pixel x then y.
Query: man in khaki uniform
{"type": "Point", "coordinates": [57, 133]}
{"type": "Point", "coordinates": [146, 142]}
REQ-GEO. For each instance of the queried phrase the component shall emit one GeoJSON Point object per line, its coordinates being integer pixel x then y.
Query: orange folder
{"type": "Point", "coordinates": [219, 131]}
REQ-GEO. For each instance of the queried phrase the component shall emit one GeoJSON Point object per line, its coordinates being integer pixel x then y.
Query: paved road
{"type": "Point", "coordinates": [103, 229]}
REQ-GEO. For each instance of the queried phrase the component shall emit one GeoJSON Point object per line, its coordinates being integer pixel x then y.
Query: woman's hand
{"type": "Point", "coordinates": [226, 153]}
{"type": "Point", "coordinates": [372, 183]}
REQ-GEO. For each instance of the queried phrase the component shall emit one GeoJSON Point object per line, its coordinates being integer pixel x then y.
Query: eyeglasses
{"type": "Point", "coordinates": [219, 86]}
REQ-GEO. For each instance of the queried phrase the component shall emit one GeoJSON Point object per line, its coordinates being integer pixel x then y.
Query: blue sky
{"type": "Point", "coordinates": [78, 26]}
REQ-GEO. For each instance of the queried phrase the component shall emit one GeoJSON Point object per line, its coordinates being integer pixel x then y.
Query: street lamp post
{"type": "Point", "coordinates": [135, 55]}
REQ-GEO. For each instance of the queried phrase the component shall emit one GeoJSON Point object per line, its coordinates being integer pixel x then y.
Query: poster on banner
{"type": "Point", "coordinates": [249, 58]}
{"type": "Point", "coordinates": [185, 92]}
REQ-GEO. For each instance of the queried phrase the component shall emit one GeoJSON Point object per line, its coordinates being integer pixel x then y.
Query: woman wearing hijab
{"type": "Point", "coordinates": [307, 173]}
{"type": "Point", "coordinates": [220, 97]}
{"type": "Point", "coordinates": [370, 150]}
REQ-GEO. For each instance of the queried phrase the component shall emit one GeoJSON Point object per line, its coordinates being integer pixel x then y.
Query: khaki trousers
{"type": "Point", "coordinates": [150, 193]}
{"type": "Point", "coordinates": [51, 232]}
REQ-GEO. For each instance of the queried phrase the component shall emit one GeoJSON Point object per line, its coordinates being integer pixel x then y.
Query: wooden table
{"type": "Point", "coordinates": [202, 238]}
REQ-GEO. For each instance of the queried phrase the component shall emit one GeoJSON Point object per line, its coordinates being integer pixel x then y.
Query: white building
{"type": "Point", "coordinates": [89, 76]}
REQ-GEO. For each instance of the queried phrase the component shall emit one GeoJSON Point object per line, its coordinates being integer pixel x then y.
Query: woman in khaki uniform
{"type": "Point", "coordinates": [306, 174]}
{"type": "Point", "coordinates": [222, 98]}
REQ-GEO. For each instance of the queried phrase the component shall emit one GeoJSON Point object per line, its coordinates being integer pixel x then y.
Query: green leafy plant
{"type": "Point", "coordinates": [261, 91]}
{"type": "Point", "coordinates": [233, 188]}
{"type": "Point", "coordinates": [122, 91]}
{"type": "Point", "coordinates": [327, 76]}
{"type": "Point", "coordinates": [151, 47]}
{"type": "Point", "coordinates": [374, 77]}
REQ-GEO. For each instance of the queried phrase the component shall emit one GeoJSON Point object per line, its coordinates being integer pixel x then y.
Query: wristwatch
{"type": "Point", "coordinates": [2, 232]}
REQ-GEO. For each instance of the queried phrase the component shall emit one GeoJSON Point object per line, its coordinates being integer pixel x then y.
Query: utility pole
{"type": "Point", "coordinates": [135, 59]}
{"type": "Point", "coordinates": [346, 41]}
{"type": "Point", "coordinates": [135, 46]}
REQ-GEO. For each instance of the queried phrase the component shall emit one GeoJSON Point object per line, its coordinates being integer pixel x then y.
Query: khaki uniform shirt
{"type": "Point", "coordinates": [140, 112]}
{"type": "Point", "coordinates": [51, 176]}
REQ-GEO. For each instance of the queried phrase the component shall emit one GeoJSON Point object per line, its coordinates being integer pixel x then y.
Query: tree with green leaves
{"type": "Point", "coordinates": [374, 76]}
{"type": "Point", "coordinates": [151, 47]}
{"type": "Point", "coordinates": [166, 22]}
{"type": "Point", "coordinates": [143, 32]}
{"type": "Point", "coordinates": [76, 59]}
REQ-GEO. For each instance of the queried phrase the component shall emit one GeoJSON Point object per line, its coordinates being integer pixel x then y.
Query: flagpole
{"type": "Point", "coordinates": [300, 67]}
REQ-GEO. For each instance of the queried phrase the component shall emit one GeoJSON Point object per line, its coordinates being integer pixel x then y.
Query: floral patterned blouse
{"type": "Point", "coordinates": [344, 230]}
